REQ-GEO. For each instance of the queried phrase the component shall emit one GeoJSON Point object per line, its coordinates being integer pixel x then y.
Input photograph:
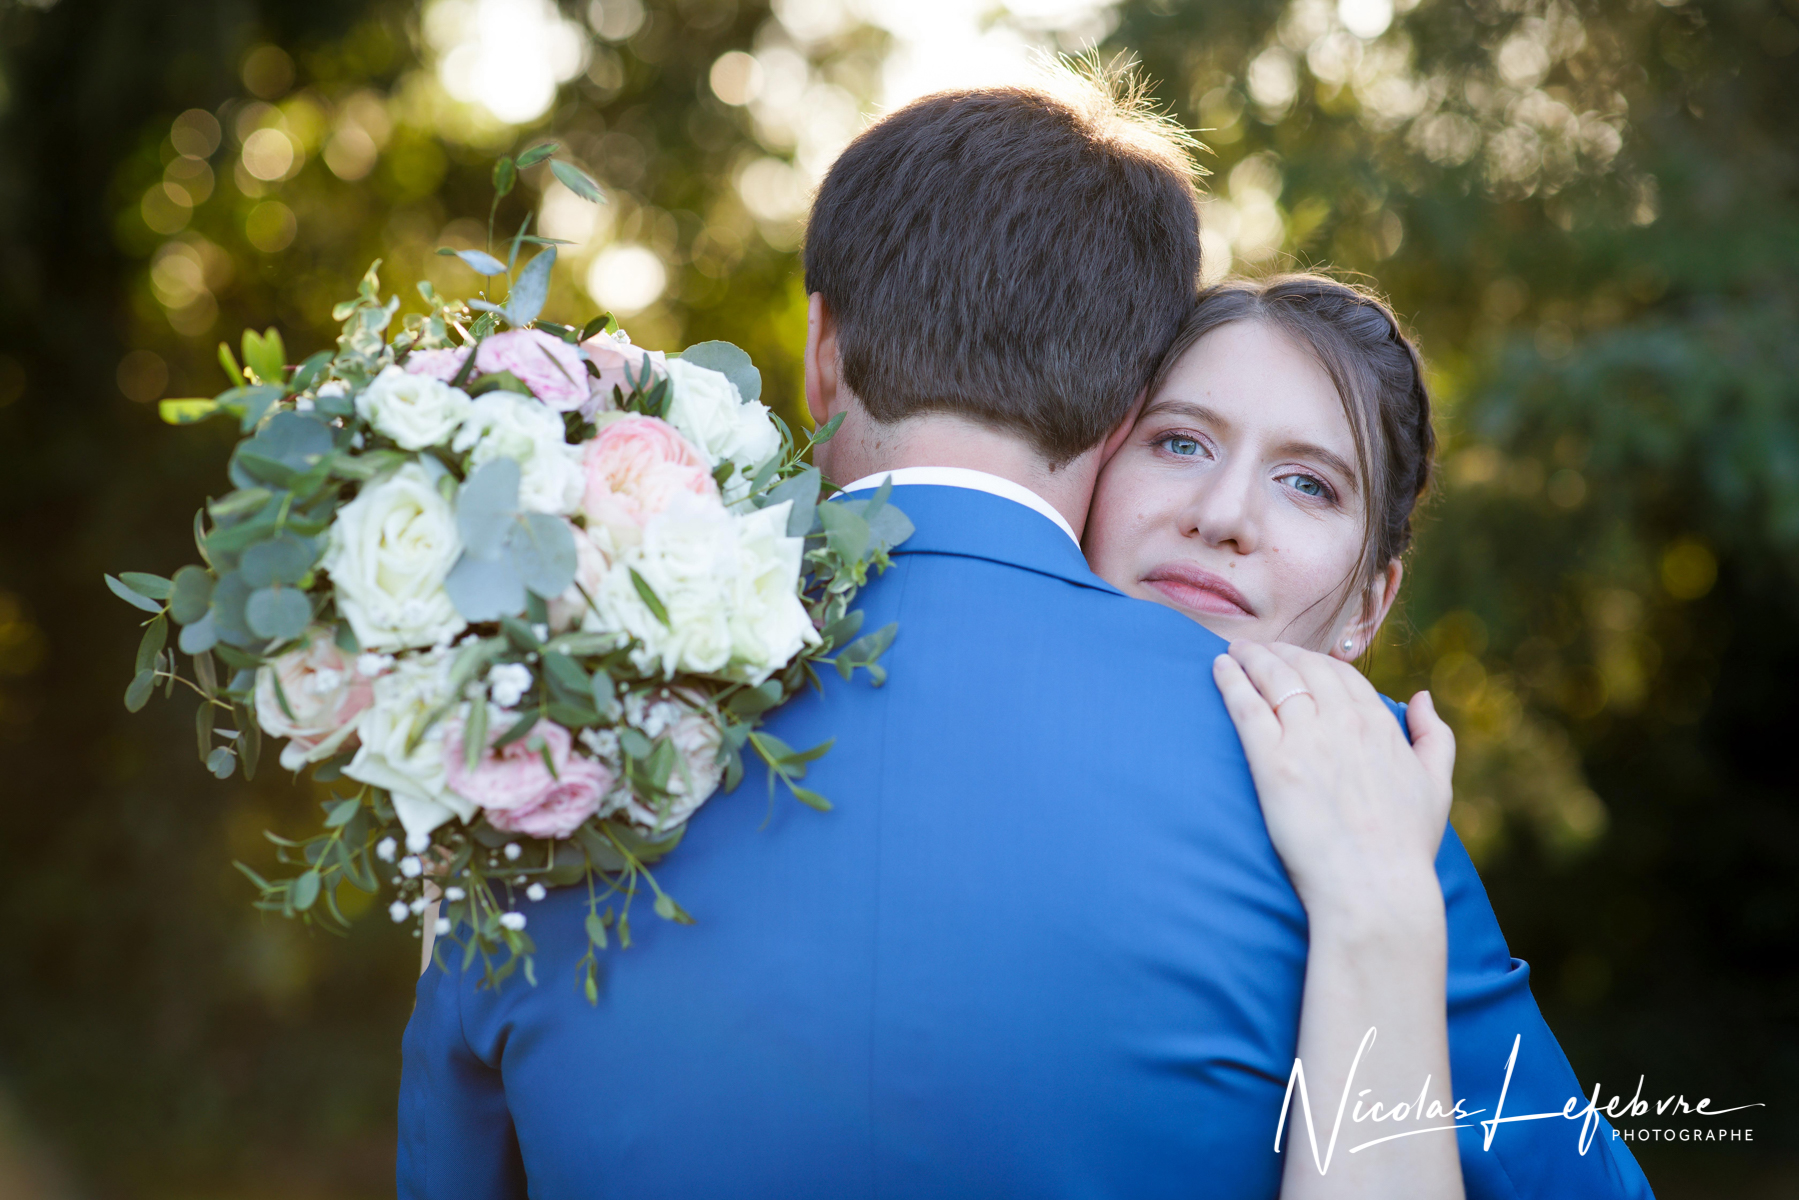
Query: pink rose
{"type": "Point", "coordinates": [549, 366]}
{"type": "Point", "coordinates": [325, 695]}
{"type": "Point", "coordinates": [438, 364]}
{"type": "Point", "coordinates": [560, 811]}
{"type": "Point", "coordinates": [516, 787]}
{"type": "Point", "coordinates": [635, 469]}
{"type": "Point", "coordinates": [618, 362]}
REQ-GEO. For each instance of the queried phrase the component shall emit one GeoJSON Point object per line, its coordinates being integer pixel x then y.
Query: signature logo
{"type": "Point", "coordinates": [1369, 1116]}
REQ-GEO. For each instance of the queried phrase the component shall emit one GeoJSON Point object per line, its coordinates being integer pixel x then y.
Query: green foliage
{"type": "Point", "coordinates": [1590, 215]}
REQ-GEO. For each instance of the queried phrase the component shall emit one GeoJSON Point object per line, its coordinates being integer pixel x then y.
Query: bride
{"type": "Point", "coordinates": [1266, 489]}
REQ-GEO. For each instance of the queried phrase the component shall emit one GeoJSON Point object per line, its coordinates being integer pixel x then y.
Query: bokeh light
{"type": "Point", "coordinates": [626, 279]}
{"type": "Point", "coordinates": [508, 56]}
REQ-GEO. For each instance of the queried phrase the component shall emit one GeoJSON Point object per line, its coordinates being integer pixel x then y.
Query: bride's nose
{"type": "Point", "coordinates": [1222, 512]}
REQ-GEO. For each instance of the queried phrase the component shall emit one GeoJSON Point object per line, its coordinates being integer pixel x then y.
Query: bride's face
{"type": "Point", "coordinates": [1236, 497]}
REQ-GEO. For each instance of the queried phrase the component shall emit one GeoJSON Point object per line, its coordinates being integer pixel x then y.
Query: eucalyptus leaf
{"type": "Point", "coordinates": [731, 362]}
{"type": "Point", "coordinates": [203, 718]}
{"type": "Point", "coordinates": [197, 637]}
{"type": "Point", "coordinates": [283, 559]}
{"type": "Point", "coordinates": [189, 594]}
{"type": "Point", "coordinates": [306, 890]}
{"type": "Point", "coordinates": [249, 738]}
{"type": "Point", "coordinates": [481, 262]}
{"type": "Point", "coordinates": [144, 583]}
{"type": "Point", "coordinates": [277, 612]}
{"type": "Point", "coordinates": [229, 596]}
{"type": "Point", "coordinates": [802, 490]}
{"type": "Point", "coordinates": [308, 372]}
{"type": "Point", "coordinates": [131, 596]}
{"type": "Point", "coordinates": [248, 466]}
{"type": "Point", "coordinates": [649, 597]}
{"type": "Point", "coordinates": [889, 528]}
{"type": "Point", "coordinates": [138, 694]}
{"type": "Point", "coordinates": [295, 438]}
{"type": "Point", "coordinates": [566, 673]}
{"type": "Point", "coordinates": [809, 798]}
{"type": "Point", "coordinates": [485, 589]}
{"type": "Point", "coordinates": [156, 636]}
{"type": "Point", "coordinates": [532, 288]}
{"type": "Point", "coordinates": [542, 551]}
{"type": "Point", "coordinates": [485, 506]}
{"type": "Point", "coordinates": [846, 533]}
{"type": "Point", "coordinates": [205, 673]}
{"type": "Point", "coordinates": [577, 181]}
{"type": "Point", "coordinates": [499, 381]}
{"type": "Point", "coordinates": [221, 762]}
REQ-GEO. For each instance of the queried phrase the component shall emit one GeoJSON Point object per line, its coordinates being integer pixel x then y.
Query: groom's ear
{"type": "Point", "coordinates": [823, 390]}
{"type": "Point", "coordinates": [1122, 430]}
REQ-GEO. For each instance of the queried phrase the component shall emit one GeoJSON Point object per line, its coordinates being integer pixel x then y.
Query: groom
{"type": "Point", "coordinates": [1042, 946]}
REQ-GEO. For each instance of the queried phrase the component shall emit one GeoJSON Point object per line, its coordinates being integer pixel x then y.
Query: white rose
{"type": "Point", "coordinates": [390, 549]}
{"type": "Point", "coordinates": [711, 413]}
{"type": "Point", "coordinates": [404, 699]}
{"type": "Point", "coordinates": [504, 424]}
{"type": "Point", "coordinates": [769, 624]}
{"type": "Point", "coordinates": [728, 585]}
{"type": "Point", "coordinates": [416, 411]}
{"type": "Point", "coordinates": [687, 557]}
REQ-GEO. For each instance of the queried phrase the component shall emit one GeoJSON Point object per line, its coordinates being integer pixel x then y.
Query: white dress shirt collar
{"type": "Point", "coordinates": [974, 481]}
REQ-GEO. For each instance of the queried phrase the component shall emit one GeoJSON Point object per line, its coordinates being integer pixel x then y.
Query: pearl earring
{"type": "Point", "coordinates": [1348, 643]}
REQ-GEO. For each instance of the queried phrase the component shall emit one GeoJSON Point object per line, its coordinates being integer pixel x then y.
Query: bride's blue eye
{"type": "Point", "coordinates": [1180, 444]}
{"type": "Point", "coordinates": [1306, 485]}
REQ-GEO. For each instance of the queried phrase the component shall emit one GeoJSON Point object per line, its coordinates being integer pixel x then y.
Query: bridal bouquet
{"type": "Point", "coordinates": [517, 593]}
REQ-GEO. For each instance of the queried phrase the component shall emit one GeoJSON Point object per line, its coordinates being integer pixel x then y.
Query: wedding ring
{"type": "Point", "coordinates": [1298, 691]}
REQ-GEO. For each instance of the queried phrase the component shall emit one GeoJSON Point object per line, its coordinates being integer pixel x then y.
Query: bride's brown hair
{"type": "Point", "coordinates": [1378, 375]}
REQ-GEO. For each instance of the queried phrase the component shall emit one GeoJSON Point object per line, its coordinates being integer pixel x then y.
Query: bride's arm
{"type": "Point", "coordinates": [1357, 815]}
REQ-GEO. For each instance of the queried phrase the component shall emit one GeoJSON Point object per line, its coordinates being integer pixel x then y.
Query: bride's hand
{"type": "Point", "coordinates": [1356, 813]}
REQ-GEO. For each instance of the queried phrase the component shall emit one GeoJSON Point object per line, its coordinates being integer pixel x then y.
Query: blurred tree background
{"type": "Point", "coordinates": [1588, 209]}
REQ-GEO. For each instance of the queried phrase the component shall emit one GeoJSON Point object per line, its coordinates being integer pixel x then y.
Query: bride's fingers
{"type": "Point", "coordinates": [1318, 672]}
{"type": "Point", "coordinates": [1256, 723]}
{"type": "Point", "coordinates": [1432, 740]}
{"type": "Point", "coordinates": [1279, 684]}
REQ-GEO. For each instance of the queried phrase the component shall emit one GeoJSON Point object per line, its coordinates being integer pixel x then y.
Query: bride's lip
{"type": "Point", "coordinates": [1198, 590]}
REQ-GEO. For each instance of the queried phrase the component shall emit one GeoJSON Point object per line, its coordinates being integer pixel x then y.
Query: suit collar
{"type": "Point", "coordinates": [973, 524]}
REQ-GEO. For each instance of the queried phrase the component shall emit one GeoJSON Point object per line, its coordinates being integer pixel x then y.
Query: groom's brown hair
{"type": "Point", "coordinates": [1011, 255]}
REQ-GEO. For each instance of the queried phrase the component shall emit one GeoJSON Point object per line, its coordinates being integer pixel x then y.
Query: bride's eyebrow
{"type": "Point", "coordinates": [1328, 458]}
{"type": "Point", "coordinates": [1184, 408]}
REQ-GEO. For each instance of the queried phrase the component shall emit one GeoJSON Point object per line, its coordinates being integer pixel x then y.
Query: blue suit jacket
{"type": "Point", "coordinates": [1041, 948]}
